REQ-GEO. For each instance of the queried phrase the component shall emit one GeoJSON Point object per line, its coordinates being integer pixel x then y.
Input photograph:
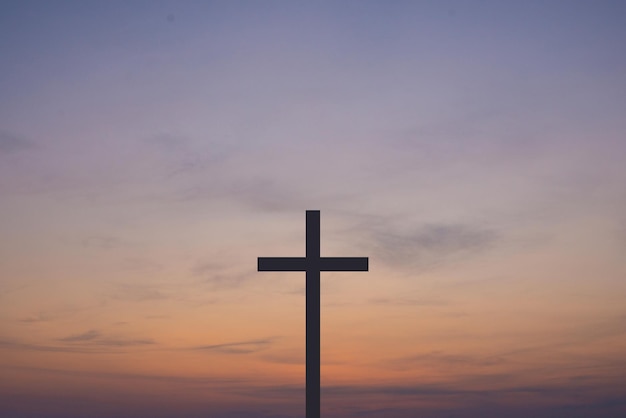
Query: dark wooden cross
{"type": "Point", "coordinates": [312, 264]}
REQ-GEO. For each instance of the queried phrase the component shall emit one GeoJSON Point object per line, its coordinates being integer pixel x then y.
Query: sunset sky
{"type": "Point", "coordinates": [475, 151]}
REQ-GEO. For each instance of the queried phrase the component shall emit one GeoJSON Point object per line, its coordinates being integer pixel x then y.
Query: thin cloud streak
{"type": "Point", "coordinates": [220, 275]}
{"type": "Point", "coordinates": [238, 347]}
{"type": "Point", "coordinates": [130, 376]}
{"type": "Point", "coordinates": [85, 336]}
{"type": "Point", "coordinates": [12, 143]}
{"type": "Point", "coordinates": [17, 345]}
{"type": "Point", "coordinates": [406, 302]}
{"type": "Point", "coordinates": [89, 342]}
{"type": "Point", "coordinates": [426, 246]}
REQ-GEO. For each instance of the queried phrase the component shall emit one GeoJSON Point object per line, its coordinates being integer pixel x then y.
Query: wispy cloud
{"type": "Point", "coordinates": [120, 342]}
{"type": "Point", "coordinates": [219, 276]}
{"type": "Point", "coordinates": [139, 292]}
{"type": "Point", "coordinates": [286, 356]}
{"type": "Point", "coordinates": [376, 399]}
{"type": "Point", "coordinates": [168, 142]}
{"type": "Point", "coordinates": [269, 196]}
{"type": "Point", "coordinates": [239, 347]}
{"type": "Point", "coordinates": [180, 155]}
{"type": "Point", "coordinates": [406, 302]}
{"type": "Point", "coordinates": [85, 336]}
{"type": "Point", "coordinates": [6, 289]}
{"type": "Point", "coordinates": [102, 242]}
{"type": "Point", "coordinates": [13, 344]}
{"type": "Point", "coordinates": [61, 312]}
{"type": "Point", "coordinates": [441, 359]}
{"type": "Point", "coordinates": [576, 335]}
{"type": "Point", "coordinates": [91, 341]}
{"type": "Point", "coordinates": [157, 293]}
{"type": "Point", "coordinates": [429, 390]}
{"type": "Point", "coordinates": [10, 142]}
{"type": "Point", "coordinates": [428, 245]}
{"type": "Point", "coordinates": [258, 194]}
{"type": "Point", "coordinates": [131, 376]}
{"type": "Point", "coordinates": [94, 337]}
{"type": "Point", "coordinates": [40, 317]}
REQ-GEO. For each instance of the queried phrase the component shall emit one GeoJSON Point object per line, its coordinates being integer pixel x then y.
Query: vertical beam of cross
{"type": "Point", "coordinates": [313, 316]}
{"type": "Point", "coordinates": [312, 264]}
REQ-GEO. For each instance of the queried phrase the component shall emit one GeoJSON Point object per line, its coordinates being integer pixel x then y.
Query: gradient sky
{"type": "Point", "coordinates": [475, 151]}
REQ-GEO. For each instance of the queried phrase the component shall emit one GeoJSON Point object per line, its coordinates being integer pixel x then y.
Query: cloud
{"type": "Point", "coordinates": [300, 291]}
{"type": "Point", "coordinates": [168, 142]}
{"type": "Point", "coordinates": [441, 359]}
{"type": "Point", "coordinates": [406, 302]}
{"type": "Point", "coordinates": [164, 291]}
{"type": "Point", "coordinates": [257, 194]}
{"type": "Point", "coordinates": [269, 196]}
{"type": "Point", "coordinates": [94, 337]}
{"type": "Point", "coordinates": [413, 390]}
{"type": "Point", "coordinates": [18, 345]}
{"type": "Point", "coordinates": [138, 292]}
{"type": "Point", "coordinates": [286, 356]}
{"type": "Point", "coordinates": [497, 405]}
{"type": "Point", "coordinates": [140, 264]}
{"type": "Point", "coordinates": [65, 312]}
{"type": "Point", "coordinates": [181, 155]}
{"type": "Point", "coordinates": [556, 345]}
{"type": "Point", "coordinates": [10, 143]}
{"type": "Point", "coordinates": [218, 276]}
{"type": "Point", "coordinates": [91, 341]}
{"type": "Point", "coordinates": [116, 342]}
{"type": "Point", "coordinates": [103, 242]}
{"type": "Point", "coordinates": [578, 334]}
{"type": "Point", "coordinates": [443, 399]}
{"type": "Point", "coordinates": [7, 289]}
{"type": "Point", "coordinates": [427, 245]}
{"type": "Point", "coordinates": [131, 376]}
{"type": "Point", "coordinates": [40, 317]}
{"type": "Point", "coordinates": [85, 336]}
{"type": "Point", "coordinates": [239, 347]}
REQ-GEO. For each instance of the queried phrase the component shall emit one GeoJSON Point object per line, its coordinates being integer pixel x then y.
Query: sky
{"type": "Point", "coordinates": [150, 151]}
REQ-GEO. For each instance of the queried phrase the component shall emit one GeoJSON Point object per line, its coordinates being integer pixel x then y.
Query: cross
{"type": "Point", "coordinates": [312, 264]}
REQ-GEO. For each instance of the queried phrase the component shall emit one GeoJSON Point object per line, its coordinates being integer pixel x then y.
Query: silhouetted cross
{"type": "Point", "coordinates": [312, 264]}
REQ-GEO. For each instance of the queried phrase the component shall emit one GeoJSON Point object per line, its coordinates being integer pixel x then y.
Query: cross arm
{"type": "Point", "coordinates": [281, 264]}
{"type": "Point", "coordinates": [344, 263]}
